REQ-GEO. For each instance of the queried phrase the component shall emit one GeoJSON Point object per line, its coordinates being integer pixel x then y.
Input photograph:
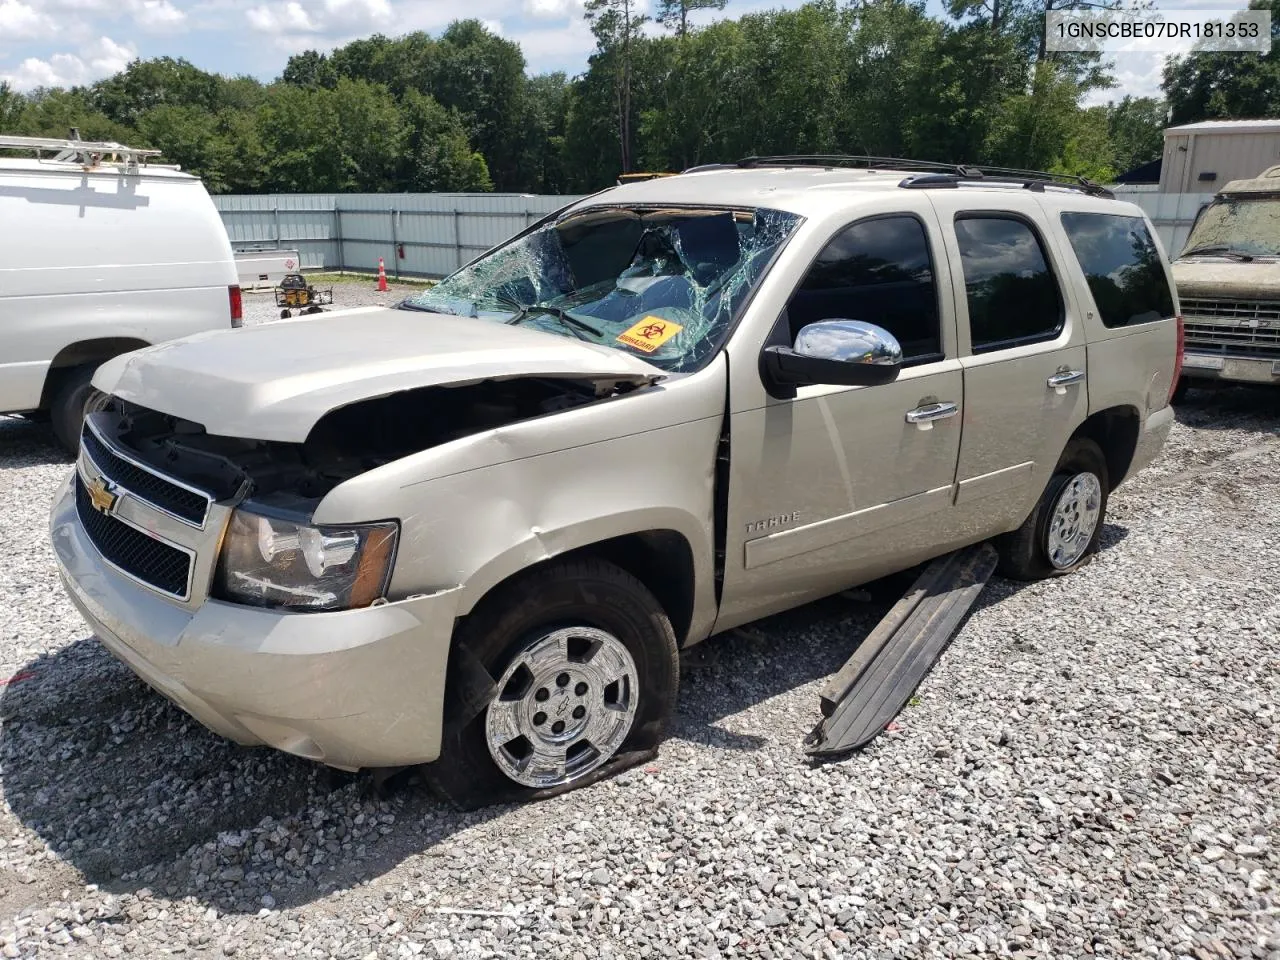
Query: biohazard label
{"type": "Point", "coordinates": [649, 334]}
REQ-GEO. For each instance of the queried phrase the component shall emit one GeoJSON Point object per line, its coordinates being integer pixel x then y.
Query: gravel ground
{"type": "Point", "coordinates": [260, 306]}
{"type": "Point", "coordinates": [1092, 768]}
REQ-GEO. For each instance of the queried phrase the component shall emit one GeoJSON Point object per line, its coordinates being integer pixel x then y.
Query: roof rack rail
{"type": "Point", "coordinates": [932, 173]}
{"type": "Point", "coordinates": [87, 153]}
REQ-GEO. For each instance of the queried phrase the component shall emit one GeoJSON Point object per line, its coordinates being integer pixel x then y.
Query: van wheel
{"type": "Point", "coordinates": [560, 678]}
{"type": "Point", "coordinates": [1063, 530]}
{"type": "Point", "coordinates": [74, 398]}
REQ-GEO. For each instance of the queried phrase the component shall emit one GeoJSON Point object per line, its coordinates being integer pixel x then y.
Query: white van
{"type": "Point", "coordinates": [101, 253]}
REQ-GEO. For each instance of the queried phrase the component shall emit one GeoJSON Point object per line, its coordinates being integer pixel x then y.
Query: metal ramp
{"type": "Point", "coordinates": [874, 684]}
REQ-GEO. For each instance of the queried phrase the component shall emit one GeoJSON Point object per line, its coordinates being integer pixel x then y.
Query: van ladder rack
{"type": "Point", "coordinates": [933, 173]}
{"type": "Point", "coordinates": [87, 153]}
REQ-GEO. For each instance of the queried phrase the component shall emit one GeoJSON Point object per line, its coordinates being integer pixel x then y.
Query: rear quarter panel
{"type": "Point", "coordinates": [1130, 366]}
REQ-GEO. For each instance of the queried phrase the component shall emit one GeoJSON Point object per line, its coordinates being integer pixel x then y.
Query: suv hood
{"type": "Point", "coordinates": [1219, 278]}
{"type": "Point", "coordinates": [274, 381]}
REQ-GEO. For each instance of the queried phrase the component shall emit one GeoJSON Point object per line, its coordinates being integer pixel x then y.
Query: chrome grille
{"type": "Point", "coordinates": [162, 566]}
{"type": "Point", "coordinates": [1238, 328]}
{"type": "Point", "coordinates": [164, 494]}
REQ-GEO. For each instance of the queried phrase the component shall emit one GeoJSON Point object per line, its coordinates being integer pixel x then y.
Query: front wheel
{"type": "Point", "coordinates": [1063, 530]}
{"type": "Point", "coordinates": [74, 399]}
{"type": "Point", "coordinates": [557, 679]}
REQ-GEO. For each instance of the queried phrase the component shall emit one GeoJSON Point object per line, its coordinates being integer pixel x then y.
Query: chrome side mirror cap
{"type": "Point", "coordinates": [838, 352]}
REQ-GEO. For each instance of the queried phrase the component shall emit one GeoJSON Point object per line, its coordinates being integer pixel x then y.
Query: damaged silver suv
{"type": "Point", "coordinates": [474, 531]}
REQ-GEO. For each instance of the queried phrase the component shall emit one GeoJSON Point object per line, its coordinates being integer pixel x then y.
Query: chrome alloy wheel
{"type": "Point", "coordinates": [564, 707]}
{"type": "Point", "coordinates": [1074, 520]}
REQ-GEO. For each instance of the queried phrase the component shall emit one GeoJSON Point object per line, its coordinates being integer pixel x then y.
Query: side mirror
{"type": "Point", "coordinates": [839, 352]}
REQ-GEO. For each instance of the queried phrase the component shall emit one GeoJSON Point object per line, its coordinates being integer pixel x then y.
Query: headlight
{"type": "Point", "coordinates": [271, 562]}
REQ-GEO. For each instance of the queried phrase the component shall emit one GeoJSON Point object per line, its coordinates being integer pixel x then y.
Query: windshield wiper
{"type": "Point", "coordinates": [524, 311]}
{"type": "Point", "coordinates": [1220, 250]}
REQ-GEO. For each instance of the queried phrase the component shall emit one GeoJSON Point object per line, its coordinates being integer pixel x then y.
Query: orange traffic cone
{"type": "Point", "coordinates": [382, 276]}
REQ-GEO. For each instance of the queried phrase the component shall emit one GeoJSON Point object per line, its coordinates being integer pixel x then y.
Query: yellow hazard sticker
{"type": "Point", "coordinates": [649, 334]}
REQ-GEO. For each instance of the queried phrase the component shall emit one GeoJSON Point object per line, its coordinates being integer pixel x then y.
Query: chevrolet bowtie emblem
{"type": "Point", "coordinates": [101, 495]}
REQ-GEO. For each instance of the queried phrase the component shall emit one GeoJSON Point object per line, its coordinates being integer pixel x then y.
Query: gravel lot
{"type": "Point", "coordinates": [1093, 768]}
{"type": "Point", "coordinates": [355, 291]}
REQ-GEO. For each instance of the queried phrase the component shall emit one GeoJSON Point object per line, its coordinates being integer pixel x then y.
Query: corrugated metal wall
{"type": "Point", "coordinates": [416, 234]}
{"type": "Point", "coordinates": [1231, 155]}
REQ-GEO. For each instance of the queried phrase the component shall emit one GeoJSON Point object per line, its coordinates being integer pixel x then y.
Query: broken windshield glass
{"type": "Point", "coordinates": [663, 284]}
{"type": "Point", "coordinates": [1249, 227]}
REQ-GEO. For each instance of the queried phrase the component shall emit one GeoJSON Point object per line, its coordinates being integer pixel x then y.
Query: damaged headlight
{"type": "Point", "coordinates": [267, 561]}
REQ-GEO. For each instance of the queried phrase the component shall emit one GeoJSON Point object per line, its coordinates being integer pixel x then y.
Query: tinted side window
{"type": "Point", "coordinates": [878, 271]}
{"type": "Point", "coordinates": [1013, 296]}
{"type": "Point", "coordinates": [1122, 264]}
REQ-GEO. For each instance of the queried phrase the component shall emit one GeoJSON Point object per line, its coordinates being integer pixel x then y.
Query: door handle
{"type": "Point", "coordinates": [923, 416]}
{"type": "Point", "coordinates": [1063, 379]}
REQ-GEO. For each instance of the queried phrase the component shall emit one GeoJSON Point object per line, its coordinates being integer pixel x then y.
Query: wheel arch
{"type": "Point", "coordinates": [662, 559]}
{"type": "Point", "coordinates": [1115, 430]}
{"type": "Point", "coordinates": [83, 353]}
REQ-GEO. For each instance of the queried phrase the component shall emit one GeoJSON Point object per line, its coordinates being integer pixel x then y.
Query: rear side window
{"type": "Point", "coordinates": [1013, 295]}
{"type": "Point", "coordinates": [1122, 264]}
{"type": "Point", "coordinates": [878, 271]}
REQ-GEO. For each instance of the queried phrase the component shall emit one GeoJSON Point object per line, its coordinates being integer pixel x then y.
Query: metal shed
{"type": "Point", "coordinates": [1202, 157]}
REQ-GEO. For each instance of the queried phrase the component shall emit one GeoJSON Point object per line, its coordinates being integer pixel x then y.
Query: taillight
{"type": "Point", "coordinates": [237, 306]}
{"type": "Point", "coordinates": [1177, 358]}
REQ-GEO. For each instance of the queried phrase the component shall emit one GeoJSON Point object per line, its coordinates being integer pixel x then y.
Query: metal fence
{"type": "Point", "coordinates": [432, 234]}
{"type": "Point", "coordinates": [416, 234]}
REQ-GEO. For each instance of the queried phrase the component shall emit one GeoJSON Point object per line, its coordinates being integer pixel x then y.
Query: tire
{"type": "Point", "coordinates": [1180, 391]}
{"type": "Point", "coordinates": [1029, 553]}
{"type": "Point", "coordinates": [597, 609]}
{"type": "Point", "coordinates": [73, 398]}
{"type": "Point", "coordinates": [285, 314]}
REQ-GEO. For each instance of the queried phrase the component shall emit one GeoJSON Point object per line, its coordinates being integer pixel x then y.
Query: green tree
{"type": "Point", "coordinates": [1136, 126]}
{"type": "Point", "coordinates": [53, 113]}
{"type": "Point", "coordinates": [674, 14]}
{"type": "Point", "coordinates": [616, 25]}
{"type": "Point", "coordinates": [1227, 86]}
{"type": "Point", "coordinates": [145, 84]}
{"type": "Point", "coordinates": [438, 156]}
{"type": "Point", "coordinates": [12, 104]}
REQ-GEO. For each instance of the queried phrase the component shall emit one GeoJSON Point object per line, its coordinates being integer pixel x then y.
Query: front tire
{"type": "Point", "coordinates": [74, 398]}
{"type": "Point", "coordinates": [559, 678]}
{"type": "Point", "coordinates": [1064, 528]}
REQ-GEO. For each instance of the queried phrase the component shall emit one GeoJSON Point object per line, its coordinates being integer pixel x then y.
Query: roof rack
{"type": "Point", "coordinates": [86, 153]}
{"type": "Point", "coordinates": [932, 173]}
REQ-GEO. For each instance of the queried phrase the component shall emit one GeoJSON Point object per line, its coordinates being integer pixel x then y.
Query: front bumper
{"type": "Point", "coordinates": [1215, 366]}
{"type": "Point", "coordinates": [354, 688]}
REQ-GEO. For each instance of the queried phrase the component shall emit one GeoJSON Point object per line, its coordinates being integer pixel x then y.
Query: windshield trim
{"type": "Point", "coordinates": [730, 328]}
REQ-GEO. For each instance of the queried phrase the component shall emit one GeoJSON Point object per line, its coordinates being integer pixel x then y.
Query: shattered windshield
{"type": "Point", "coordinates": [662, 284]}
{"type": "Point", "coordinates": [1251, 227]}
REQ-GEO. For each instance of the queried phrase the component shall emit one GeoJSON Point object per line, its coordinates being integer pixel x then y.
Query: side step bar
{"type": "Point", "coordinates": [877, 681]}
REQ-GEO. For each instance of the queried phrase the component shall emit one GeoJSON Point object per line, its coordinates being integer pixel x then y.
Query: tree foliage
{"type": "Point", "coordinates": [459, 112]}
{"type": "Point", "coordinates": [1227, 86]}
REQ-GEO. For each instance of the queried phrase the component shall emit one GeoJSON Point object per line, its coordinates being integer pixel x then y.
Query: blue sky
{"type": "Point", "coordinates": [64, 42]}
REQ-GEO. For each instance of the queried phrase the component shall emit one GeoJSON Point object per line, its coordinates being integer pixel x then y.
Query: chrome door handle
{"type": "Point", "coordinates": [924, 416]}
{"type": "Point", "coordinates": [1064, 378]}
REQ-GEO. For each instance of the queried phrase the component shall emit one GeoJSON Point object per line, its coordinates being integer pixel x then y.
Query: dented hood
{"type": "Point", "coordinates": [273, 382]}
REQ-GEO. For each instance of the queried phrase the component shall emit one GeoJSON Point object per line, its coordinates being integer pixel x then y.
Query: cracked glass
{"type": "Point", "coordinates": [662, 284]}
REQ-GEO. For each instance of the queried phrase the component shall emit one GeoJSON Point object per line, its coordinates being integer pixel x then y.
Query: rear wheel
{"type": "Point", "coordinates": [74, 398]}
{"type": "Point", "coordinates": [1063, 530]}
{"type": "Point", "coordinates": [557, 679]}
